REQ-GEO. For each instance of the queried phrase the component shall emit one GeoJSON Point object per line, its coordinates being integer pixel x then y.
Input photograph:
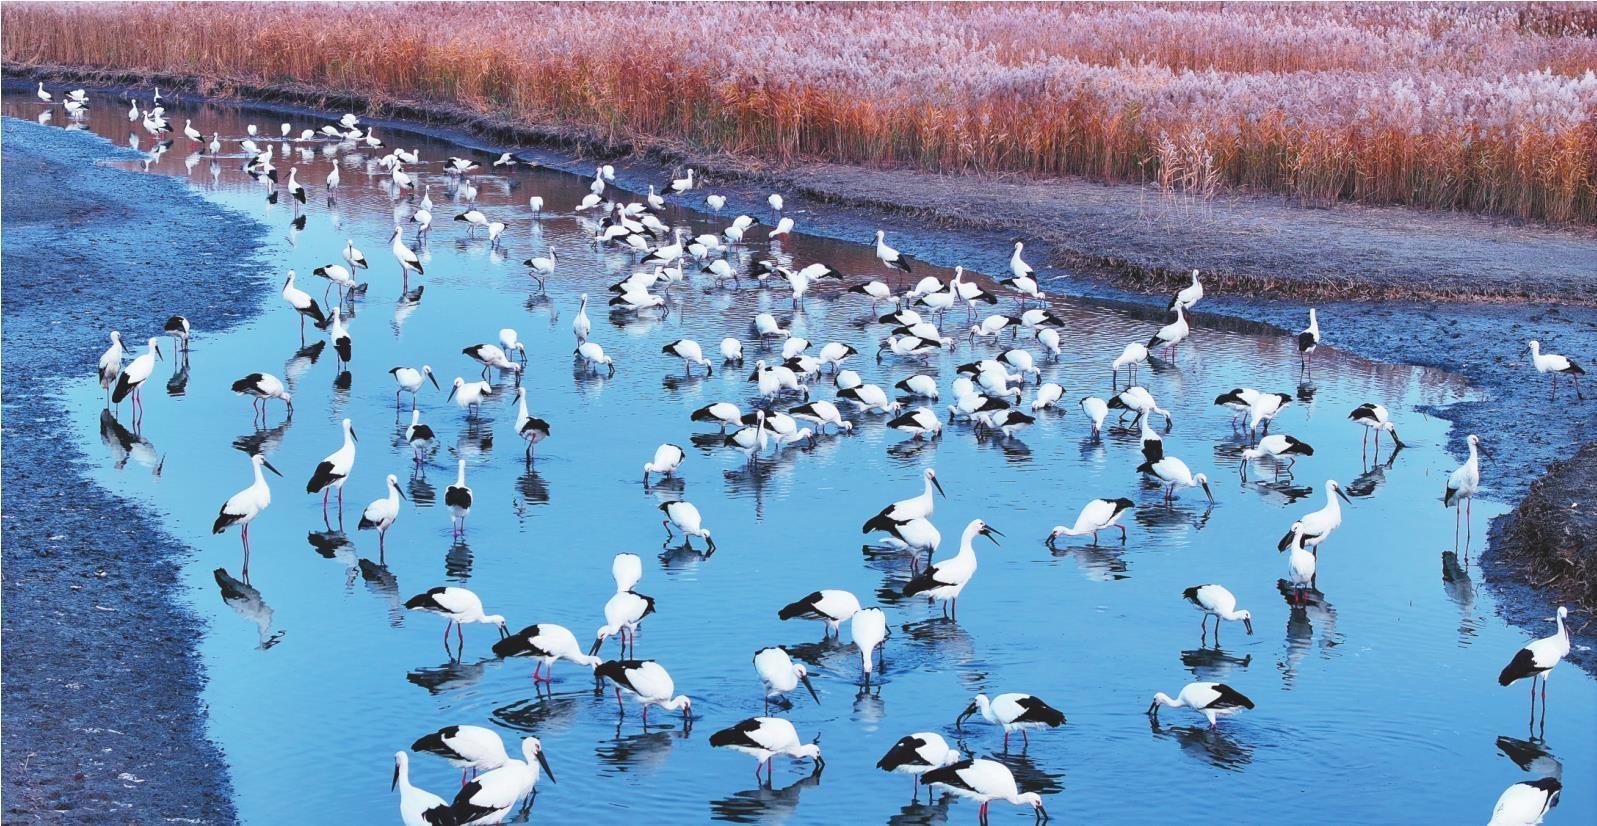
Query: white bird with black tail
{"type": "Point", "coordinates": [1537, 660]}
{"type": "Point", "coordinates": [468, 748]}
{"type": "Point", "coordinates": [667, 458]}
{"type": "Point", "coordinates": [241, 508]}
{"type": "Point", "coordinates": [1212, 700]}
{"type": "Point", "coordinates": [764, 738]}
{"type": "Point", "coordinates": [1217, 601]}
{"type": "Point", "coordinates": [1097, 515]}
{"type": "Point", "coordinates": [178, 328]}
{"type": "Point", "coordinates": [410, 380]}
{"type": "Point", "coordinates": [490, 797]}
{"type": "Point", "coordinates": [1275, 446]}
{"type": "Point", "coordinates": [469, 394]}
{"type": "Point", "coordinates": [530, 428]}
{"type": "Point", "coordinates": [1171, 334]}
{"type": "Point", "coordinates": [683, 516]}
{"type": "Point", "coordinates": [548, 644]}
{"type": "Point", "coordinates": [984, 780]}
{"type": "Point", "coordinates": [691, 354]}
{"type": "Point", "coordinates": [1556, 365]}
{"type": "Point", "coordinates": [408, 260]}
{"type": "Point", "coordinates": [888, 256]}
{"type": "Point", "coordinates": [263, 387]}
{"type": "Point", "coordinates": [649, 684]}
{"type": "Point", "coordinates": [417, 807]}
{"type": "Point", "coordinates": [490, 356]}
{"type": "Point", "coordinates": [1463, 484]}
{"type": "Point", "coordinates": [303, 304]}
{"type": "Point", "coordinates": [623, 612]}
{"type": "Point", "coordinates": [1013, 712]}
{"type": "Point", "coordinates": [380, 514]}
{"type": "Point", "coordinates": [1526, 803]}
{"type": "Point", "coordinates": [1309, 341]}
{"type": "Point", "coordinates": [419, 436]}
{"type": "Point", "coordinates": [915, 507]}
{"type": "Point", "coordinates": [132, 378]}
{"type": "Point", "coordinates": [457, 605]}
{"type": "Point", "coordinates": [918, 753]}
{"type": "Point", "coordinates": [333, 471]}
{"type": "Point", "coordinates": [457, 498]}
{"type": "Point", "coordinates": [944, 580]}
{"type": "Point", "coordinates": [1375, 417]}
{"type": "Point", "coordinates": [831, 606]}
{"type": "Point", "coordinates": [1318, 526]}
{"type": "Point", "coordinates": [110, 365]}
{"type": "Point", "coordinates": [1188, 295]}
{"type": "Point", "coordinates": [338, 333]}
{"type": "Point", "coordinates": [781, 675]}
{"type": "Point", "coordinates": [869, 629]}
{"type": "Point", "coordinates": [1173, 473]}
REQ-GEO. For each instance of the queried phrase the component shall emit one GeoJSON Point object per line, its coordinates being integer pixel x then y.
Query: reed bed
{"type": "Point", "coordinates": [1488, 108]}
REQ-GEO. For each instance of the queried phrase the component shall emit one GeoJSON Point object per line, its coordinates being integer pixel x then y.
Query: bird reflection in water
{"type": "Point", "coordinates": [244, 599]}
{"type": "Point", "coordinates": [547, 712]}
{"type": "Point", "coordinates": [407, 304]}
{"type": "Point", "coordinates": [1279, 491]}
{"type": "Point", "coordinates": [869, 708]}
{"type": "Point", "coordinates": [680, 558]}
{"type": "Point", "coordinates": [936, 640]}
{"type": "Point", "coordinates": [1099, 563]}
{"type": "Point", "coordinates": [828, 655]}
{"type": "Point", "coordinates": [1531, 756]}
{"type": "Point", "coordinates": [303, 359]}
{"type": "Point", "coordinates": [264, 439]}
{"type": "Point", "coordinates": [765, 804]}
{"type": "Point", "coordinates": [1217, 745]}
{"type": "Point", "coordinates": [913, 450]}
{"type": "Point", "coordinates": [178, 384]}
{"type": "Point", "coordinates": [934, 813]}
{"type": "Point", "coordinates": [1028, 775]}
{"type": "Point", "coordinates": [534, 489]}
{"type": "Point", "coordinates": [335, 545]}
{"type": "Point", "coordinates": [382, 583]}
{"type": "Point", "coordinates": [647, 751]}
{"type": "Point", "coordinates": [1306, 391]}
{"type": "Point", "coordinates": [1176, 517]}
{"type": "Point", "coordinates": [124, 444]}
{"type": "Point", "coordinates": [1456, 583]}
{"type": "Point", "coordinates": [455, 675]}
{"type": "Point", "coordinates": [1015, 450]}
{"type": "Point", "coordinates": [1374, 476]}
{"type": "Point", "coordinates": [1212, 665]}
{"type": "Point", "coordinates": [1308, 609]}
{"type": "Point", "coordinates": [477, 440]}
{"type": "Point", "coordinates": [683, 384]}
{"type": "Point", "coordinates": [457, 560]}
{"type": "Point", "coordinates": [422, 492]}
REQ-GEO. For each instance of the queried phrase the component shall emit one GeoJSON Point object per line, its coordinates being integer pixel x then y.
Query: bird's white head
{"type": "Point", "coordinates": [1033, 800]}
{"type": "Point", "coordinates": [401, 767]}
{"type": "Point", "coordinates": [117, 337]}
{"type": "Point", "coordinates": [1246, 617]}
{"type": "Point", "coordinates": [532, 749]}
{"type": "Point", "coordinates": [393, 481]}
{"type": "Point", "coordinates": [1535, 347]}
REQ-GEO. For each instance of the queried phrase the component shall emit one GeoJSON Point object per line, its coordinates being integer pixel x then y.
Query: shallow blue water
{"type": "Point", "coordinates": [1377, 704]}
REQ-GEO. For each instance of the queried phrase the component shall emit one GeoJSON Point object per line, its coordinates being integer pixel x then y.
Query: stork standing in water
{"type": "Point", "coordinates": [548, 644]}
{"type": "Point", "coordinates": [781, 675]}
{"type": "Point", "coordinates": [111, 365]}
{"type": "Point", "coordinates": [1537, 660]}
{"type": "Point", "coordinates": [334, 471]}
{"type": "Point", "coordinates": [1317, 526]}
{"type": "Point", "coordinates": [765, 737]}
{"type": "Point", "coordinates": [648, 682]}
{"type": "Point", "coordinates": [530, 428]}
{"type": "Point", "coordinates": [457, 605]}
{"type": "Point", "coordinates": [1217, 601]}
{"type": "Point", "coordinates": [1013, 712]}
{"type": "Point", "coordinates": [409, 380]}
{"type": "Point", "coordinates": [869, 628]}
{"type": "Point", "coordinates": [1212, 700]}
{"type": "Point", "coordinates": [1374, 417]}
{"type": "Point", "coordinates": [984, 780]}
{"type": "Point", "coordinates": [264, 387]}
{"type": "Point", "coordinates": [241, 508]}
{"type": "Point", "coordinates": [829, 605]}
{"type": "Point", "coordinates": [132, 379]}
{"type": "Point", "coordinates": [1173, 473]}
{"type": "Point", "coordinates": [915, 507]}
{"type": "Point", "coordinates": [304, 306]}
{"type": "Point", "coordinates": [685, 518]}
{"type": "Point", "coordinates": [1462, 486]}
{"type": "Point", "coordinates": [1171, 334]}
{"type": "Point", "coordinates": [1098, 515]}
{"type": "Point", "coordinates": [489, 798]}
{"type": "Point", "coordinates": [417, 807]}
{"type": "Point", "coordinates": [458, 498]}
{"type": "Point", "coordinates": [380, 514]}
{"type": "Point", "coordinates": [1308, 342]}
{"type": "Point", "coordinates": [1526, 803]}
{"type": "Point", "coordinates": [468, 748]}
{"type": "Point", "coordinates": [918, 753]}
{"type": "Point", "coordinates": [944, 580]}
{"type": "Point", "coordinates": [1556, 364]}
{"type": "Point", "coordinates": [667, 458]}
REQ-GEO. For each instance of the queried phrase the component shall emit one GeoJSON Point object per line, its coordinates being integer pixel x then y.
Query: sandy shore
{"type": "Point", "coordinates": [103, 718]}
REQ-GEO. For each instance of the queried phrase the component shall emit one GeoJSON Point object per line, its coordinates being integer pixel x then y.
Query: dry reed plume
{"type": "Point", "coordinates": [1484, 108]}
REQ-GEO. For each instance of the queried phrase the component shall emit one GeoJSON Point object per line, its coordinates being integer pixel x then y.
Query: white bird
{"type": "Point", "coordinates": [505, 159]}
{"type": "Point", "coordinates": [623, 611]}
{"type": "Point", "coordinates": [510, 342]}
{"type": "Point", "coordinates": [921, 421]}
{"type": "Point", "coordinates": [333, 181]}
{"type": "Point", "coordinates": [920, 385]}
{"type": "Point", "coordinates": [1537, 660]}
{"type": "Point", "coordinates": [732, 350]}
{"type": "Point", "coordinates": [1013, 712]}
{"type": "Point", "coordinates": [334, 470]}
{"type": "Point", "coordinates": [380, 515]}
{"type": "Point", "coordinates": [722, 413]}
{"type": "Point", "coordinates": [1275, 446]}
{"type": "Point", "coordinates": [263, 387]}
{"type": "Point", "coordinates": [783, 227]}
{"type": "Point", "coordinates": [681, 185]}
{"type": "Point", "coordinates": [1189, 295]}
{"type": "Point", "coordinates": [337, 276]}
{"type": "Point", "coordinates": [473, 219]}
{"type": "Point", "coordinates": [408, 261]}
{"type": "Point", "coordinates": [689, 351]}
{"type": "Point", "coordinates": [457, 605]}
{"type": "Point", "coordinates": [715, 202]}
{"type": "Point", "coordinates": [1300, 563]}
{"type": "Point", "coordinates": [1173, 473]}
{"type": "Point", "coordinates": [490, 797]}
{"type": "Point", "coordinates": [1309, 339]}
{"type": "Point", "coordinates": [944, 580]}
{"type": "Point", "coordinates": [1130, 360]}
{"type": "Point", "coordinates": [1097, 515]}
{"type": "Point", "coordinates": [303, 304]}
{"type": "Point", "coordinates": [1212, 700]}
{"type": "Point", "coordinates": [1555, 364]}
{"type": "Point", "coordinates": [593, 355]}
{"type": "Point", "coordinates": [765, 737]}
{"type": "Point", "coordinates": [869, 628]}
{"type": "Point", "coordinates": [548, 644]}
{"type": "Point", "coordinates": [417, 807]}
{"type": "Point", "coordinates": [915, 507]}
{"type": "Point", "coordinates": [535, 203]}
{"type": "Point", "coordinates": [822, 413]}
{"type": "Point", "coordinates": [410, 380]}
{"type": "Point", "coordinates": [1048, 393]}
{"type": "Point", "coordinates": [1375, 417]}
{"type": "Point", "coordinates": [1217, 601]}
{"type": "Point", "coordinates": [1265, 408]}
{"type": "Point", "coordinates": [1318, 526]}
{"type": "Point", "coordinates": [918, 753]}
{"type": "Point", "coordinates": [870, 397]}
{"type": "Point", "coordinates": [490, 356]}
{"type": "Point", "coordinates": [1171, 334]}
{"type": "Point", "coordinates": [984, 780]}
{"type": "Point", "coordinates": [1048, 337]}
{"type": "Point", "coordinates": [457, 498]}
{"type": "Point", "coordinates": [888, 256]}
{"type": "Point", "coordinates": [190, 132]}
{"type": "Point", "coordinates": [829, 605]}
{"type": "Point", "coordinates": [295, 188]}
{"type": "Point", "coordinates": [530, 428]}
{"type": "Point", "coordinates": [648, 683]}
{"type": "Point", "coordinates": [1461, 488]}
{"type": "Point", "coordinates": [992, 325]}
{"type": "Point", "coordinates": [110, 365]}
{"type": "Point", "coordinates": [241, 508]}
{"type": "Point", "coordinates": [781, 675]}
{"type": "Point", "coordinates": [469, 394]}
{"type": "Point", "coordinates": [765, 325]}
{"type": "Point", "coordinates": [683, 516]}
{"type": "Point", "coordinates": [419, 436]}
{"type": "Point", "coordinates": [178, 328]}
{"type": "Point", "coordinates": [667, 458]}
{"type": "Point", "coordinates": [581, 325]}
{"type": "Point", "coordinates": [1526, 803]}
{"type": "Point", "coordinates": [468, 748]}
{"type": "Point", "coordinates": [43, 95]}
{"type": "Point", "coordinates": [1239, 400]}
{"type": "Point", "coordinates": [1097, 410]}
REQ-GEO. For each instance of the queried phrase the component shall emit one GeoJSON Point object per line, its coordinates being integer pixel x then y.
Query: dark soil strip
{"type": "Point", "coordinates": [1552, 535]}
{"type": "Point", "coordinates": [103, 722]}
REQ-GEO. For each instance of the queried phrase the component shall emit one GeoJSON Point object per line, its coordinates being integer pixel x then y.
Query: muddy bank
{"type": "Point", "coordinates": [103, 718]}
{"type": "Point", "coordinates": [1552, 535]}
{"type": "Point", "coordinates": [1134, 236]}
{"type": "Point", "coordinates": [1445, 290]}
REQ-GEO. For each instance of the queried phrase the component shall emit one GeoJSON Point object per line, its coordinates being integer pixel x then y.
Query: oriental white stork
{"type": "Point", "coordinates": [765, 737]}
{"type": "Point", "coordinates": [1217, 601]}
{"type": "Point", "coordinates": [548, 644]}
{"type": "Point", "coordinates": [944, 580]}
{"type": "Point", "coordinates": [829, 605]}
{"type": "Point", "coordinates": [1556, 364]}
{"type": "Point", "coordinates": [647, 681]}
{"type": "Point", "coordinates": [1212, 700]}
{"type": "Point", "coordinates": [984, 780]}
{"type": "Point", "coordinates": [1013, 712]}
{"type": "Point", "coordinates": [1097, 515]}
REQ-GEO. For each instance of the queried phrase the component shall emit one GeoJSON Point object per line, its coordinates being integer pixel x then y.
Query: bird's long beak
{"type": "Point", "coordinates": [1248, 624]}
{"type": "Point", "coordinates": [1208, 493]}
{"type": "Point", "coordinates": [593, 651]}
{"type": "Point", "coordinates": [162, 356]}
{"type": "Point", "coordinates": [394, 785]}
{"type": "Point", "coordinates": [1343, 495]}
{"type": "Point", "coordinates": [451, 393]}
{"type": "Point", "coordinates": [711, 543]}
{"type": "Point", "coordinates": [990, 531]}
{"type": "Point", "coordinates": [964, 715]}
{"type": "Point", "coordinates": [939, 486]}
{"type": "Point", "coordinates": [268, 466]}
{"type": "Point", "coordinates": [811, 687]}
{"type": "Point", "coordinates": [544, 761]}
{"type": "Point", "coordinates": [434, 379]}
{"type": "Point", "coordinates": [1042, 814]}
{"type": "Point", "coordinates": [1478, 446]}
{"type": "Point", "coordinates": [401, 493]}
{"type": "Point", "coordinates": [1153, 709]}
{"type": "Point", "coordinates": [352, 435]}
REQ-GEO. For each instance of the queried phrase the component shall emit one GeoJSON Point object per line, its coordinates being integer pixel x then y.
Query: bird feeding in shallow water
{"type": "Point", "coordinates": [490, 356]}
{"type": "Point", "coordinates": [380, 514]}
{"type": "Point", "coordinates": [683, 516]}
{"type": "Point", "coordinates": [1375, 417]}
{"type": "Point", "coordinates": [781, 675]}
{"type": "Point", "coordinates": [944, 580]}
{"type": "Point", "coordinates": [1096, 410]}
{"type": "Point", "coordinates": [623, 612]}
{"type": "Point", "coordinates": [417, 807]}
{"type": "Point", "coordinates": [765, 737]}
{"type": "Point", "coordinates": [1556, 365]}
{"type": "Point", "coordinates": [548, 644]}
{"type": "Point", "coordinates": [457, 605]}
{"type": "Point", "coordinates": [1097, 515]}
{"type": "Point", "coordinates": [457, 498]}
{"type": "Point", "coordinates": [1130, 360]}
{"type": "Point", "coordinates": [410, 380]}
{"type": "Point", "coordinates": [1212, 700]}
{"type": "Point", "coordinates": [1217, 601]}
{"type": "Point", "coordinates": [829, 605]}
{"type": "Point", "coordinates": [667, 458]}
{"type": "Point", "coordinates": [264, 387]}
{"type": "Point", "coordinates": [334, 470]}
{"type": "Point", "coordinates": [241, 508]}
{"type": "Point", "coordinates": [490, 797]}
{"type": "Point", "coordinates": [869, 628]}
{"type": "Point", "coordinates": [1537, 660]}
{"type": "Point", "coordinates": [918, 753]}
{"type": "Point", "coordinates": [1275, 446]}
{"type": "Point", "coordinates": [984, 780]}
{"type": "Point", "coordinates": [469, 394]}
{"type": "Point", "coordinates": [591, 355]}
{"type": "Point", "coordinates": [1463, 484]}
{"type": "Point", "coordinates": [468, 748]}
{"type": "Point", "coordinates": [649, 684]}
{"type": "Point", "coordinates": [1173, 473]}
{"type": "Point", "coordinates": [688, 350]}
{"type": "Point", "coordinates": [915, 507]}
{"type": "Point", "coordinates": [1526, 803]}
{"type": "Point", "coordinates": [1013, 712]}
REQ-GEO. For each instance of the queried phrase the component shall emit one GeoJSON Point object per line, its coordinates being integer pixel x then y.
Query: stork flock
{"type": "Point", "coordinates": [988, 393]}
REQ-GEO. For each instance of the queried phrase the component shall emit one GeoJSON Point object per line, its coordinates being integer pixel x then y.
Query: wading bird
{"type": "Point", "coordinates": [1374, 417]}
{"type": "Point", "coordinates": [548, 644]}
{"type": "Point", "coordinates": [943, 581]}
{"type": "Point", "coordinates": [380, 514]}
{"type": "Point", "coordinates": [457, 498]}
{"type": "Point", "coordinates": [1217, 601]}
{"type": "Point", "coordinates": [1098, 515]}
{"type": "Point", "coordinates": [457, 605]}
{"type": "Point", "coordinates": [918, 753]}
{"type": "Point", "coordinates": [334, 470]}
{"type": "Point", "coordinates": [765, 737]}
{"type": "Point", "coordinates": [1212, 700]}
{"type": "Point", "coordinates": [410, 380]}
{"type": "Point", "coordinates": [1526, 803]}
{"type": "Point", "coordinates": [648, 683]}
{"type": "Point", "coordinates": [468, 748]}
{"type": "Point", "coordinates": [1537, 660]}
{"type": "Point", "coordinates": [1556, 364]}
{"type": "Point", "coordinates": [1462, 485]}
{"type": "Point", "coordinates": [241, 508]}
{"type": "Point", "coordinates": [984, 780]}
{"type": "Point", "coordinates": [781, 675]}
{"type": "Point", "coordinates": [264, 387]}
{"type": "Point", "coordinates": [915, 507]}
{"type": "Point", "coordinates": [417, 807]}
{"type": "Point", "coordinates": [683, 516]}
{"type": "Point", "coordinates": [490, 797]}
{"type": "Point", "coordinates": [1013, 712]}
